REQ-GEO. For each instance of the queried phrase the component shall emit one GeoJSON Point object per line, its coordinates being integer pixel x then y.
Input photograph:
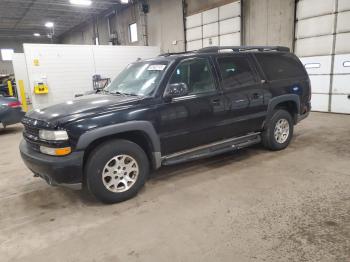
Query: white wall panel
{"type": "Point", "coordinates": [230, 10]}
{"type": "Point", "coordinates": [211, 41]}
{"type": "Point", "coordinates": [311, 8]}
{"type": "Point", "coordinates": [194, 45]}
{"type": "Point", "coordinates": [21, 73]}
{"type": "Point", "coordinates": [315, 46]}
{"type": "Point", "coordinates": [342, 64]}
{"type": "Point", "coordinates": [210, 16]}
{"type": "Point", "coordinates": [111, 60]}
{"type": "Point", "coordinates": [194, 33]}
{"type": "Point", "coordinates": [319, 102]}
{"type": "Point", "coordinates": [318, 65]}
{"type": "Point", "coordinates": [340, 104]}
{"type": "Point", "coordinates": [194, 20]}
{"type": "Point", "coordinates": [343, 5]}
{"type": "Point", "coordinates": [210, 30]}
{"type": "Point", "coordinates": [69, 68]}
{"type": "Point", "coordinates": [343, 22]}
{"type": "Point", "coordinates": [320, 83]}
{"type": "Point", "coordinates": [341, 84]}
{"type": "Point", "coordinates": [316, 26]}
{"type": "Point", "coordinates": [231, 25]}
{"type": "Point", "coordinates": [230, 39]}
{"type": "Point", "coordinates": [342, 44]}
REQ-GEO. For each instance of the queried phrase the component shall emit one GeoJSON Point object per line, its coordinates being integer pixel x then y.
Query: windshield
{"type": "Point", "coordinates": [139, 79]}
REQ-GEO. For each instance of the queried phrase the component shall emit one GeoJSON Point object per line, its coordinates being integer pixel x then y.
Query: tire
{"type": "Point", "coordinates": [116, 170]}
{"type": "Point", "coordinates": [278, 139]}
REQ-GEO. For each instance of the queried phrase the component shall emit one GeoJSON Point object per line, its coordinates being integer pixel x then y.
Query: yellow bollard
{"type": "Point", "coordinates": [9, 85]}
{"type": "Point", "coordinates": [23, 95]}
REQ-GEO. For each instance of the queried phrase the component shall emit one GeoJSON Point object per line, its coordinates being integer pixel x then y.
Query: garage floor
{"type": "Point", "coordinates": [251, 205]}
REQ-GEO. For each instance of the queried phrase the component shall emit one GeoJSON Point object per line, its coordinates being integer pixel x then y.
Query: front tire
{"type": "Point", "coordinates": [279, 130]}
{"type": "Point", "coordinates": [116, 170]}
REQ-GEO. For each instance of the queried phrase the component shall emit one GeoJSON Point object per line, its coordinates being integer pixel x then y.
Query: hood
{"type": "Point", "coordinates": [81, 107]}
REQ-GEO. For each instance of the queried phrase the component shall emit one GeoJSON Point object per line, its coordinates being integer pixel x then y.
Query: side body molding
{"type": "Point", "coordinates": [280, 99]}
{"type": "Point", "coordinates": [144, 126]}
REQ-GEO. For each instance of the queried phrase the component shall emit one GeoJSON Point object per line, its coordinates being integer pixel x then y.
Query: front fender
{"type": "Point", "coordinates": [147, 127]}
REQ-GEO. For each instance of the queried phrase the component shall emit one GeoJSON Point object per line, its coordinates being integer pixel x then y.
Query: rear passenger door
{"type": "Point", "coordinates": [244, 94]}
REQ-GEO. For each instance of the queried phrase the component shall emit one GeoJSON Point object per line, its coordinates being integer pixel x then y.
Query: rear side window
{"type": "Point", "coordinates": [280, 66]}
{"type": "Point", "coordinates": [235, 72]}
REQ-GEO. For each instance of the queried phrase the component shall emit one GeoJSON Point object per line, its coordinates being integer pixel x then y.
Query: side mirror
{"type": "Point", "coordinates": [176, 90]}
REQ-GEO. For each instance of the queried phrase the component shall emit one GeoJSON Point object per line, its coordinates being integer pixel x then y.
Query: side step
{"type": "Point", "coordinates": [212, 149]}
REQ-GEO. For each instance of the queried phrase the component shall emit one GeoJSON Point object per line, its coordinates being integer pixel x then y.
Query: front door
{"type": "Point", "coordinates": [191, 120]}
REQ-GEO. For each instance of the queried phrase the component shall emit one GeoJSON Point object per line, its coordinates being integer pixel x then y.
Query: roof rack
{"type": "Point", "coordinates": [217, 49]}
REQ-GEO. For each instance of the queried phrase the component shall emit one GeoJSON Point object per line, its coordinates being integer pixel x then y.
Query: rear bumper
{"type": "Point", "coordinates": [305, 114]}
{"type": "Point", "coordinates": [63, 171]}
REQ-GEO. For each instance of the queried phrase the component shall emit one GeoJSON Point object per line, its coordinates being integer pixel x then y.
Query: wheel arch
{"type": "Point", "coordinates": [140, 132]}
{"type": "Point", "coordinates": [289, 102]}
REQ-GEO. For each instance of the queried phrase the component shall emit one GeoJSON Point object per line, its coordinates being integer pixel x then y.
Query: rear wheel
{"type": "Point", "coordinates": [116, 170]}
{"type": "Point", "coordinates": [279, 130]}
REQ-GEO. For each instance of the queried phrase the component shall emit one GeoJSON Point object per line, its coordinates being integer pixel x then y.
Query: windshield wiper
{"type": "Point", "coordinates": [130, 94]}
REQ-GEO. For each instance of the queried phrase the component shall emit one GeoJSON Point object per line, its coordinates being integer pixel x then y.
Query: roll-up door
{"type": "Point", "coordinates": [216, 26]}
{"type": "Point", "coordinates": [322, 36]}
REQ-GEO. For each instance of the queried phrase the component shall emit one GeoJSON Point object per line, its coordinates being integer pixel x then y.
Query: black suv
{"type": "Point", "coordinates": [167, 110]}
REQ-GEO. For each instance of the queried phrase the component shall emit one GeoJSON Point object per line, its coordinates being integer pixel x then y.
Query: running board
{"type": "Point", "coordinates": [212, 149]}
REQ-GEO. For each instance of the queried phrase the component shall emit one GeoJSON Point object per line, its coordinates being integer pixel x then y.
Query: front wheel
{"type": "Point", "coordinates": [279, 130]}
{"type": "Point", "coordinates": [116, 170]}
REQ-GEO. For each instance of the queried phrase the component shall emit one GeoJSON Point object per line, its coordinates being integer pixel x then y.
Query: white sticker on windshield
{"type": "Point", "coordinates": [156, 67]}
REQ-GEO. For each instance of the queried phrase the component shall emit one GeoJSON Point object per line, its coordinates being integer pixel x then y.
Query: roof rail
{"type": "Point", "coordinates": [217, 49]}
{"type": "Point", "coordinates": [179, 53]}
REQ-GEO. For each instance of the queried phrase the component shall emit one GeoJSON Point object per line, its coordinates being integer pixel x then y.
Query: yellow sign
{"type": "Point", "coordinates": [41, 88]}
{"type": "Point", "coordinates": [36, 62]}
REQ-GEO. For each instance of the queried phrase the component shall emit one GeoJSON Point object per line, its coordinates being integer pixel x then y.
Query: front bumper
{"type": "Point", "coordinates": [64, 171]}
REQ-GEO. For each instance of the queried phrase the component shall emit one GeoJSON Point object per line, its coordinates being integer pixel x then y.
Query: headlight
{"type": "Point", "coordinates": [53, 135]}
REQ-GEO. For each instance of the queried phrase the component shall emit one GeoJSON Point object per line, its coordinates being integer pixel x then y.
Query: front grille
{"type": "Point", "coordinates": [31, 131]}
{"type": "Point", "coordinates": [31, 134]}
{"type": "Point", "coordinates": [33, 145]}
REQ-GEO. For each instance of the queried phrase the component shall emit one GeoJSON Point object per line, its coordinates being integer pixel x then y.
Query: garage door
{"type": "Point", "coordinates": [322, 42]}
{"type": "Point", "coordinates": [217, 26]}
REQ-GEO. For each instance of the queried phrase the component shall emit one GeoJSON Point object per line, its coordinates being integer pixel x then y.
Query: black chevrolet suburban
{"type": "Point", "coordinates": [168, 110]}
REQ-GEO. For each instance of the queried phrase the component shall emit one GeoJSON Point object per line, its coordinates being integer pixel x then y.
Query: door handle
{"type": "Point", "coordinates": [215, 101]}
{"type": "Point", "coordinates": [256, 96]}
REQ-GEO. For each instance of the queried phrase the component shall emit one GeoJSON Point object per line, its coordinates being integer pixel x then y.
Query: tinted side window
{"type": "Point", "coordinates": [280, 66]}
{"type": "Point", "coordinates": [235, 72]}
{"type": "Point", "coordinates": [196, 74]}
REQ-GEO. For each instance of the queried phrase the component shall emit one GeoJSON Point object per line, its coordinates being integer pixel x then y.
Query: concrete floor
{"type": "Point", "coordinates": [251, 205]}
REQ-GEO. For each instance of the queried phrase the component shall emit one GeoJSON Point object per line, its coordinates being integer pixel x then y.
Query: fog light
{"type": "Point", "coordinates": [55, 151]}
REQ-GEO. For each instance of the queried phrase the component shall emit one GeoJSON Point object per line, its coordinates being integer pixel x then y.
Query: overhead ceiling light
{"type": "Point", "coordinates": [81, 2]}
{"type": "Point", "coordinates": [36, 34]}
{"type": "Point", "coordinates": [124, 1]}
{"type": "Point", "coordinates": [49, 24]}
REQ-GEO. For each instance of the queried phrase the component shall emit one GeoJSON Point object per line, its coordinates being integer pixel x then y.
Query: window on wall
{"type": "Point", "coordinates": [133, 32]}
{"type": "Point", "coordinates": [6, 54]}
